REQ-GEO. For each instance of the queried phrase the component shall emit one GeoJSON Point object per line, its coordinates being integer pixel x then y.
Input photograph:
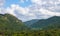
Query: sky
{"type": "Point", "coordinates": [26, 10]}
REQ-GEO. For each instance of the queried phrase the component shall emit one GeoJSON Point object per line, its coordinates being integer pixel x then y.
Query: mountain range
{"type": "Point", "coordinates": [11, 23]}
{"type": "Point", "coordinates": [52, 22]}
{"type": "Point", "coordinates": [28, 23]}
{"type": "Point", "coordinates": [12, 26]}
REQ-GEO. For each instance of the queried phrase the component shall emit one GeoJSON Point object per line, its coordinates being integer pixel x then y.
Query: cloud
{"type": "Point", "coordinates": [18, 11]}
{"type": "Point", "coordinates": [16, 8]}
{"type": "Point", "coordinates": [39, 9]}
{"type": "Point", "coordinates": [2, 2]}
{"type": "Point", "coordinates": [46, 3]}
{"type": "Point", "coordinates": [47, 12]}
{"type": "Point", "coordinates": [1, 10]}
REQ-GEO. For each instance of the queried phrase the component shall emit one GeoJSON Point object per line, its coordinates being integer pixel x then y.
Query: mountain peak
{"type": "Point", "coordinates": [55, 17]}
{"type": "Point", "coordinates": [10, 22]}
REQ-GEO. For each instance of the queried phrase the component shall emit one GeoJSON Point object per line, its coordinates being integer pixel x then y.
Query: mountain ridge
{"type": "Point", "coordinates": [46, 22]}
{"type": "Point", "coordinates": [28, 23]}
{"type": "Point", "coordinates": [11, 23]}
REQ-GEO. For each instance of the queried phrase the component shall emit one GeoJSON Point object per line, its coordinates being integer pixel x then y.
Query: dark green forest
{"type": "Point", "coordinates": [12, 26]}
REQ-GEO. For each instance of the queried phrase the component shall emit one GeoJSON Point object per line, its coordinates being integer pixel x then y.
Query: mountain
{"type": "Point", "coordinates": [11, 24]}
{"type": "Point", "coordinates": [28, 23]}
{"type": "Point", "coordinates": [47, 23]}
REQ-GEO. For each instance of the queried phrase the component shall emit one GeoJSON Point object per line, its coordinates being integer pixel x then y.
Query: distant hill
{"type": "Point", "coordinates": [53, 22]}
{"type": "Point", "coordinates": [28, 23]}
{"type": "Point", "coordinates": [10, 23]}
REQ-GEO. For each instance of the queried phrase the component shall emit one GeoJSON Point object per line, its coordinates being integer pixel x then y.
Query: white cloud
{"type": "Point", "coordinates": [46, 3]}
{"type": "Point", "coordinates": [42, 1]}
{"type": "Point", "coordinates": [2, 11]}
{"type": "Point", "coordinates": [17, 8]}
{"type": "Point", "coordinates": [37, 1]}
{"type": "Point", "coordinates": [2, 2]}
{"type": "Point", "coordinates": [47, 12]}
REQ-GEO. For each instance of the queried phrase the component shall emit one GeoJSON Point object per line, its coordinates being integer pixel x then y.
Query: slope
{"type": "Point", "coordinates": [55, 20]}
{"type": "Point", "coordinates": [10, 23]}
{"type": "Point", "coordinates": [28, 23]}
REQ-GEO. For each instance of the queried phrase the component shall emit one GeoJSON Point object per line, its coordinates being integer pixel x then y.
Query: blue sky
{"type": "Point", "coordinates": [19, 2]}
{"type": "Point", "coordinates": [26, 10]}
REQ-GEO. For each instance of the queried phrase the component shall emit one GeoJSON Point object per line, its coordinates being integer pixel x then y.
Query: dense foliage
{"type": "Point", "coordinates": [52, 32]}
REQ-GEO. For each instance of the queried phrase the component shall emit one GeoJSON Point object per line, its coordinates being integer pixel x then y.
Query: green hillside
{"type": "Point", "coordinates": [28, 23]}
{"type": "Point", "coordinates": [10, 23]}
{"type": "Point", "coordinates": [45, 23]}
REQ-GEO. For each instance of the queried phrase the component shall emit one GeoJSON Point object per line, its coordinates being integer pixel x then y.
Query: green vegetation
{"type": "Point", "coordinates": [44, 23]}
{"type": "Point", "coordinates": [52, 32]}
{"type": "Point", "coordinates": [28, 23]}
{"type": "Point", "coordinates": [11, 26]}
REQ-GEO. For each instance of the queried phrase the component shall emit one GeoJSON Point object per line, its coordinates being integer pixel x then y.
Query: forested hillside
{"type": "Point", "coordinates": [53, 22]}
{"type": "Point", "coordinates": [10, 24]}
{"type": "Point", "coordinates": [28, 23]}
